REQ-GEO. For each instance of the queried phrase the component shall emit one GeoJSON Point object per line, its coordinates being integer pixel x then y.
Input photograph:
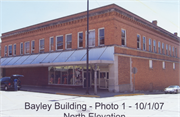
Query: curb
{"type": "Point", "coordinates": [78, 95]}
{"type": "Point", "coordinates": [129, 94]}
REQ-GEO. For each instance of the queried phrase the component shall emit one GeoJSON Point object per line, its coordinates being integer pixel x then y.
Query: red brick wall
{"type": "Point", "coordinates": [32, 76]}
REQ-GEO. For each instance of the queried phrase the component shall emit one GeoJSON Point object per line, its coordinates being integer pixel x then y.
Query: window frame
{"type": "Point", "coordinates": [139, 42]}
{"type": "Point", "coordinates": [78, 39]}
{"type": "Point", "coordinates": [5, 50]}
{"type": "Point", "coordinates": [25, 47]}
{"type": "Point", "coordinates": [11, 50]}
{"type": "Point", "coordinates": [162, 48]}
{"type": "Point", "coordinates": [159, 47]}
{"type": "Point", "coordinates": [50, 44]}
{"type": "Point", "coordinates": [94, 38]}
{"type": "Point", "coordinates": [167, 49]}
{"type": "Point", "coordinates": [144, 43]}
{"type": "Point", "coordinates": [124, 37]}
{"type": "Point", "coordinates": [154, 46]}
{"type": "Point", "coordinates": [40, 45]}
{"type": "Point", "coordinates": [99, 37]}
{"type": "Point", "coordinates": [62, 42]}
{"type": "Point", "coordinates": [150, 45]}
{"type": "Point", "coordinates": [14, 50]}
{"type": "Point", "coordinates": [173, 50]}
{"type": "Point", "coordinates": [21, 48]}
{"type": "Point", "coordinates": [66, 41]}
{"type": "Point", "coordinates": [32, 50]}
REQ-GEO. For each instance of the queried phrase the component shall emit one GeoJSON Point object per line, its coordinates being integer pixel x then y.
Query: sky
{"type": "Point", "coordinates": [16, 14]}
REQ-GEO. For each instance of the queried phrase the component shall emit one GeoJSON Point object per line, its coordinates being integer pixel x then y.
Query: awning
{"type": "Point", "coordinates": [74, 57]}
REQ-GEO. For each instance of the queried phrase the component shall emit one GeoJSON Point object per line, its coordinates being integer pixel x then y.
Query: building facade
{"type": "Point", "coordinates": [53, 53]}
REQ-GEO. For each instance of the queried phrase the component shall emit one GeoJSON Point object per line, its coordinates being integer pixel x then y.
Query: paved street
{"type": "Point", "coordinates": [34, 104]}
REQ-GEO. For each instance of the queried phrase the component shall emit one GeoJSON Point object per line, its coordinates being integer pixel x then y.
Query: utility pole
{"type": "Point", "coordinates": [87, 60]}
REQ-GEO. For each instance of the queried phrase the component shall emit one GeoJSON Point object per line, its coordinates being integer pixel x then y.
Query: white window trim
{"type": "Point", "coordinates": [14, 49]}
{"type": "Point", "coordinates": [159, 47]}
{"type": "Point", "coordinates": [56, 42]}
{"type": "Point", "coordinates": [143, 42]}
{"type": "Point", "coordinates": [8, 49]}
{"type": "Point", "coordinates": [20, 48]}
{"type": "Point", "coordinates": [94, 39]}
{"type": "Point", "coordinates": [66, 41]}
{"type": "Point", "coordinates": [5, 53]}
{"type": "Point", "coordinates": [78, 39]}
{"type": "Point", "coordinates": [174, 66]}
{"type": "Point", "coordinates": [31, 45]}
{"type": "Point", "coordinates": [150, 64]}
{"type": "Point", "coordinates": [150, 45]}
{"type": "Point", "coordinates": [39, 44]}
{"type": "Point", "coordinates": [25, 47]}
{"type": "Point", "coordinates": [125, 36]}
{"type": "Point", "coordinates": [163, 65]}
{"type": "Point", "coordinates": [155, 46]}
{"type": "Point", "coordinates": [99, 36]}
{"type": "Point", "coordinates": [50, 43]}
{"type": "Point", "coordinates": [139, 41]}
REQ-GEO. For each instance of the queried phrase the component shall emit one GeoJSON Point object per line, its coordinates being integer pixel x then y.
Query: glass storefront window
{"type": "Point", "coordinates": [78, 75]}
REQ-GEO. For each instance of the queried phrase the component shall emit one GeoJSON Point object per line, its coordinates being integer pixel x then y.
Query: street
{"type": "Point", "coordinates": [26, 104]}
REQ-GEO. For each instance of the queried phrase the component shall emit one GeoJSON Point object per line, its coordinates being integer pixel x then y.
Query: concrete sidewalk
{"type": "Point", "coordinates": [101, 93]}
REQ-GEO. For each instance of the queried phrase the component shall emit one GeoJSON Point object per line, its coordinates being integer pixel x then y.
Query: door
{"type": "Point", "coordinates": [103, 80]}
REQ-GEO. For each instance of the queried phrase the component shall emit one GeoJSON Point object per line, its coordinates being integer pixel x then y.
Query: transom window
{"type": "Point", "coordinates": [68, 41]}
{"type": "Point", "coordinates": [154, 45]}
{"type": "Point", "coordinates": [101, 36]}
{"type": "Point", "coordinates": [41, 45]}
{"type": "Point", "coordinates": [138, 41]}
{"type": "Point", "coordinates": [32, 46]}
{"type": "Point", "coordinates": [59, 43]}
{"type": "Point", "coordinates": [80, 39]}
{"type": "Point", "coordinates": [14, 53]}
{"type": "Point", "coordinates": [10, 50]}
{"type": "Point", "coordinates": [144, 43]}
{"type": "Point", "coordinates": [51, 44]}
{"type": "Point", "coordinates": [26, 47]}
{"type": "Point", "coordinates": [91, 38]}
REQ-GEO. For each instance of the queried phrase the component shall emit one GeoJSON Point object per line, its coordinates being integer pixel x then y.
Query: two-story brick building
{"type": "Point", "coordinates": [53, 53]}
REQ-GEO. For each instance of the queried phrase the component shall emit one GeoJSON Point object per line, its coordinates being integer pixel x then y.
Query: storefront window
{"type": "Point", "coordinates": [78, 80]}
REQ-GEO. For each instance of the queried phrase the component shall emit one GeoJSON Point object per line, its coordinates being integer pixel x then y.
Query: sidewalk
{"type": "Point", "coordinates": [101, 93]}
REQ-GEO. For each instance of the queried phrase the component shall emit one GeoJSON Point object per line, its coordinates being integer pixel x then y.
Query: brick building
{"type": "Point", "coordinates": [53, 53]}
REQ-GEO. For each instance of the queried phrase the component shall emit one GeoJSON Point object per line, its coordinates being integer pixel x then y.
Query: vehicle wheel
{"type": "Point", "coordinates": [5, 88]}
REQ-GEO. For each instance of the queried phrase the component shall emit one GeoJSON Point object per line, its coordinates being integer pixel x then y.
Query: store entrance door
{"type": "Point", "coordinates": [103, 80]}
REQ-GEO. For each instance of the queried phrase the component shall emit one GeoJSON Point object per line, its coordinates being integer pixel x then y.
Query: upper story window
{"type": "Point", "coordinates": [10, 50]}
{"type": "Point", "coordinates": [138, 42]}
{"type": "Point", "coordinates": [68, 41]}
{"type": "Point", "coordinates": [27, 47]}
{"type": "Point", "coordinates": [21, 48]}
{"type": "Point", "coordinates": [5, 51]}
{"type": "Point", "coordinates": [173, 51]}
{"type": "Point", "coordinates": [59, 43]}
{"type": "Point", "coordinates": [32, 46]}
{"type": "Point", "coordinates": [91, 38]}
{"type": "Point", "coordinates": [150, 64]}
{"type": "Point", "coordinates": [123, 37]}
{"type": "Point", "coordinates": [41, 45]}
{"type": "Point", "coordinates": [169, 50]}
{"type": "Point", "coordinates": [51, 44]}
{"type": "Point", "coordinates": [101, 36]}
{"type": "Point", "coordinates": [144, 43]}
{"type": "Point", "coordinates": [162, 48]}
{"type": "Point", "coordinates": [14, 52]}
{"type": "Point", "coordinates": [150, 45]}
{"type": "Point", "coordinates": [159, 47]}
{"type": "Point", "coordinates": [163, 65]}
{"type": "Point", "coordinates": [80, 39]}
{"type": "Point", "coordinates": [154, 45]}
{"type": "Point", "coordinates": [166, 49]}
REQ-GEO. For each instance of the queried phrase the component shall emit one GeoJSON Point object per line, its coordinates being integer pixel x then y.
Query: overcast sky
{"type": "Point", "coordinates": [16, 14]}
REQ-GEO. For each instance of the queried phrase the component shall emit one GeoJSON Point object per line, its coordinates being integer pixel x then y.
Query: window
{"type": "Point", "coordinates": [162, 48]}
{"type": "Point", "coordinates": [173, 51]}
{"type": "Point", "coordinates": [123, 37]}
{"type": "Point", "coordinates": [10, 50]}
{"type": "Point", "coordinates": [41, 45]}
{"type": "Point", "coordinates": [173, 65]}
{"type": "Point", "coordinates": [154, 45]}
{"type": "Point", "coordinates": [5, 51]}
{"type": "Point", "coordinates": [150, 45]}
{"type": "Point", "coordinates": [32, 46]}
{"type": "Point", "coordinates": [166, 49]}
{"type": "Point", "coordinates": [163, 65]}
{"type": "Point", "coordinates": [138, 42]}
{"type": "Point", "coordinates": [169, 50]}
{"type": "Point", "coordinates": [150, 64]}
{"type": "Point", "coordinates": [21, 48]}
{"type": "Point", "coordinates": [51, 44]}
{"type": "Point", "coordinates": [68, 41]}
{"type": "Point", "coordinates": [80, 39]}
{"type": "Point", "coordinates": [159, 47]}
{"type": "Point", "coordinates": [26, 48]}
{"type": "Point", "coordinates": [59, 43]}
{"type": "Point", "coordinates": [101, 36]}
{"type": "Point", "coordinates": [144, 43]}
{"type": "Point", "coordinates": [14, 52]}
{"type": "Point", "coordinates": [91, 38]}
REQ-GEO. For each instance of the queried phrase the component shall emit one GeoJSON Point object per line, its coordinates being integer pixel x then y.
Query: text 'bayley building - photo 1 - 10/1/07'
{"type": "Point", "coordinates": [53, 53]}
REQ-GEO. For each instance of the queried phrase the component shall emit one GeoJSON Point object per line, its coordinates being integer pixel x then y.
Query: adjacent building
{"type": "Point", "coordinates": [53, 53]}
